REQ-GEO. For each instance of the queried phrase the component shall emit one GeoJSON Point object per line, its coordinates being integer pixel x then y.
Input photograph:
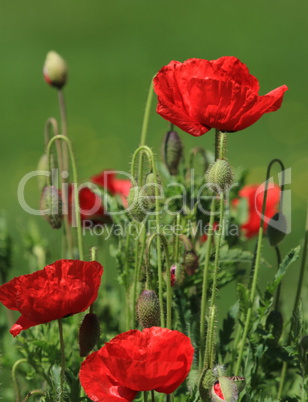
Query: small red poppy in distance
{"type": "Point", "coordinates": [153, 359]}
{"type": "Point", "coordinates": [198, 95]}
{"type": "Point", "coordinates": [61, 289]}
{"type": "Point", "coordinates": [254, 195]}
{"type": "Point", "coordinates": [91, 203]}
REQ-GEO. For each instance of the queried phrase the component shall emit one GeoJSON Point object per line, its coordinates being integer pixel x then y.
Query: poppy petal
{"type": "Point", "coordinates": [98, 383]}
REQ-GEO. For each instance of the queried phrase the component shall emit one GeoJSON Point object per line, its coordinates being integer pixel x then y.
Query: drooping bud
{"type": "Point", "coordinates": [42, 165]}
{"type": "Point", "coordinates": [150, 184]}
{"type": "Point", "coordinates": [191, 262]}
{"type": "Point", "coordinates": [219, 176]}
{"type": "Point", "coordinates": [138, 204]}
{"type": "Point", "coordinates": [89, 333]}
{"type": "Point", "coordinates": [55, 70]}
{"type": "Point", "coordinates": [148, 311]}
{"type": "Point", "coordinates": [51, 206]}
{"type": "Point", "coordinates": [172, 150]}
{"type": "Point", "coordinates": [277, 229]}
{"type": "Point", "coordinates": [274, 324]}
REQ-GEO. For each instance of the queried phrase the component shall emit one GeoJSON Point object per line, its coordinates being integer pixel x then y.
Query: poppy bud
{"type": "Point", "coordinates": [191, 262]}
{"type": "Point", "coordinates": [89, 333]}
{"type": "Point", "coordinates": [224, 390]}
{"type": "Point", "coordinates": [219, 176]}
{"type": "Point", "coordinates": [274, 323]}
{"type": "Point", "coordinates": [151, 184]}
{"type": "Point", "coordinates": [137, 204]}
{"type": "Point", "coordinates": [148, 311]}
{"type": "Point", "coordinates": [51, 206]}
{"type": "Point", "coordinates": [176, 274]}
{"type": "Point", "coordinates": [277, 228]}
{"type": "Point", "coordinates": [172, 150]}
{"type": "Point", "coordinates": [55, 70]}
{"type": "Point", "coordinates": [205, 384]}
{"type": "Point", "coordinates": [42, 165]}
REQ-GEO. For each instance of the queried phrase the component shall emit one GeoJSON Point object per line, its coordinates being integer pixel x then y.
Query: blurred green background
{"type": "Point", "coordinates": [113, 50]}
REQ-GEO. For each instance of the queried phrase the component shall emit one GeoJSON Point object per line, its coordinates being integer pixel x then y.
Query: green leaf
{"type": "Point", "coordinates": [288, 260]}
{"type": "Point", "coordinates": [243, 294]}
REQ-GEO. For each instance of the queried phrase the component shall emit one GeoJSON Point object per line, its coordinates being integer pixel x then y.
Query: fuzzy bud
{"type": "Point", "coordinates": [89, 333]}
{"type": "Point", "coordinates": [55, 70]}
{"type": "Point", "coordinates": [176, 274]}
{"type": "Point", "coordinates": [51, 206]}
{"type": "Point", "coordinates": [219, 176]}
{"type": "Point", "coordinates": [224, 390]}
{"type": "Point", "coordinates": [138, 204]}
{"type": "Point", "coordinates": [42, 165]}
{"type": "Point", "coordinates": [274, 323]}
{"type": "Point", "coordinates": [277, 228]}
{"type": "Point", "coordinates": [148, 311]}
{"type": "Point", "coordinates": [172, 150]}
{"type": "Point", "coordinates": [191, 262]}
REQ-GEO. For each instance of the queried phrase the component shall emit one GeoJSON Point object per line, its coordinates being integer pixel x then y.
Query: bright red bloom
{"type": "Point", "coordinates": [61, 289]}
{"type": "Point", "coordinates": [198, 95]}
{"type": "Point", "coordinates": [254, 195]}
{"type": "Point", "coordinates": [217, 391]}
{"type": "Point", "coordinates": [153, 359]}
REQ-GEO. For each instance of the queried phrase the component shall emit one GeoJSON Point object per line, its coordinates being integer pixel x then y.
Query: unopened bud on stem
{"type": "Point", "coordinates": [55, 70]}
{"type": "Point", "coordinates": [172, 150]}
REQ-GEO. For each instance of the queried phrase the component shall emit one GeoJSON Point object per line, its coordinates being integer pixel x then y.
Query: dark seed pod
{"type": "Point", "coordinates": [277, 229]}
{"type": "Point", "coordinates": [274, 323]}
{"type": "Point", "coordinates": [172, 150]}
{"type": "Point", "coordinates": [191, 262]}
{"type": "Point", "coordinates": [148, 311]}
{"type": "Point", "coordinates": [219, 176]}
{"type": "Point", "coordinates": [138, 204]}
{"type": "Point", "coordinates": [51, 206]}
{"type": "Point", "coordinates": [89, 333]}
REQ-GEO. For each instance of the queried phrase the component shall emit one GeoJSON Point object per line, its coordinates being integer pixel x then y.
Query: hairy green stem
{"type": "Point", "coordinates": [278, 255]}
{"type": "Point", "coordinates": [295, 307]}
{"type": "Point", "coordinates": [62, 360]}
{"type": "Point", "coordinates": [148, 152]}
{"type": "Point", "coordinates": [168, 265]}
{"type": "Point", "coordinates": [255, 271]}
{"type": "Point", "coordinates": [76, 195]}
{"type": "Point", "coordinates": [14, 377]}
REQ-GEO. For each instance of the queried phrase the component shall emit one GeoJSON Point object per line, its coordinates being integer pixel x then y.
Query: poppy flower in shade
{"type": "Point", "coordinates": [61, 289]}
{"type": "Point", "coordinates": [254, 195]}
{"type": "Point", "coordinates": [198, 95]}
{"type": "Point", "coordinates": [107, 179]}
{"type": "Point", "coordinates": [90, 204]}
{"type": "Point", "coordinates": [153, 359]}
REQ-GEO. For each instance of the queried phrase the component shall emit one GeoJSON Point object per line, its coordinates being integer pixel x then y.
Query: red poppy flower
{"type": "Point", "coordinates": [61, 289]}
{"type": "Point", "coordinates": [254, 195]}
{"type": "Point", "coordinates": [90, 204]}
{"type": "Point", "coordinates": [107, 179]}
{"type": "Point", "coordinates": [198, 95]}
{"type": "Point", "coordinates": [153, 359]}
{"type": "Point", "coordinates": [99, 384]}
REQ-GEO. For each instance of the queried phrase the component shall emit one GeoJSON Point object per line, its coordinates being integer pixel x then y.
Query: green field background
{"type": "Point", "coordinates": [113, 49]}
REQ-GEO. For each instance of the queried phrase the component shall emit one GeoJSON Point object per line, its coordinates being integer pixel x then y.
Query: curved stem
{"type": "Point", "coordinates": [75, 181]}
{"type": "Point", "coordinates": [15, 382]}
{"type": "Point", "coordinates": [256, 268]}
{"type": "Point", "coordinates": [52, 123]}
{"type": "Point", "coordinates": [168, 265]}
{"type": "Point", "coordinates": [148, 152]}
{"type": "Point", "coordinates": [34, 392]}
